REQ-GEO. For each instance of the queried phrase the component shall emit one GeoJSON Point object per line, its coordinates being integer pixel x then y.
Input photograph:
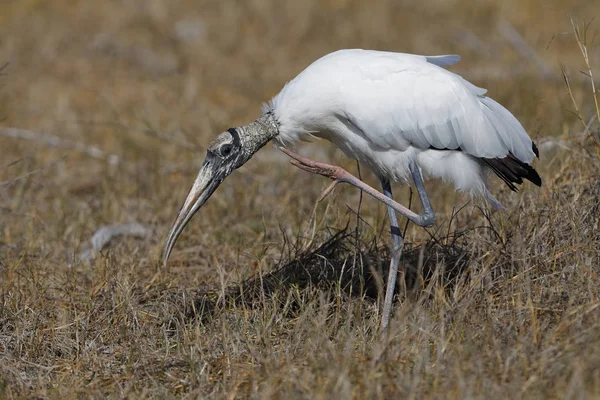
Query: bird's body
{"type": "Point", "coordinates": [387, 110]}
{"type": "Point", "coordinates": [404, 116]}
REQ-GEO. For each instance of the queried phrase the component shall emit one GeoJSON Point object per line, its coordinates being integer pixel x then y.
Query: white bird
{"type": "Point", "coordinates": [403, 116]}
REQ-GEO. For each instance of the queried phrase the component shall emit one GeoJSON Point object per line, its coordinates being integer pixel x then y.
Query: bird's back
{"type": "Point", "coordinates": [380, 106]}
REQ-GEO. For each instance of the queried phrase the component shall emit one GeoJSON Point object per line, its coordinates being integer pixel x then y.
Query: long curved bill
{"type": "Point", "coordinates": [209, 178]}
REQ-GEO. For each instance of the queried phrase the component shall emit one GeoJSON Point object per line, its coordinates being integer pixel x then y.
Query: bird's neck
{"type": "Point", "coordinates": [258, 133]}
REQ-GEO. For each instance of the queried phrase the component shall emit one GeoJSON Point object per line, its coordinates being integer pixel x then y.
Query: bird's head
{"type": "Point", "coordinates": [227, 152]}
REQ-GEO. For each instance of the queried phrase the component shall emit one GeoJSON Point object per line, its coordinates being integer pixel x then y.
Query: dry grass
{"type": "Point", "coordinates": [261, 297]}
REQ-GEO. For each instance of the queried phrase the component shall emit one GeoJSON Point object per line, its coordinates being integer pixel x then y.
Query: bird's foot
{"type": "Point", "coordinates": [314, 167]}
{"type": "Point", "coordinates": [338, 174]}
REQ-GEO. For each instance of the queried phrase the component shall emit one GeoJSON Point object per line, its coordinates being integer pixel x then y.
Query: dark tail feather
{"type": "Point", "coordinates": [512, 170]}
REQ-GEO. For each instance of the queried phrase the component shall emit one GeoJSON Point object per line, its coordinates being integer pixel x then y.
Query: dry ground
{"type": "Point", "coordinates": [121, 96]}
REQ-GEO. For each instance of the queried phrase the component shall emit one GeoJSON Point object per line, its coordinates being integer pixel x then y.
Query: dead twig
{"type": "Point", "coordinates": [103, 236]}
{"type": "Point", "coordinates": [581, 38]}
{"type": "Point", "coordinates": [548, 143]}
{"type": "Point", "coordinates": [567, 80]}
{"type": "Point", "coordinates": [471, 41]}
{"type": "Point", "coordinates": [515, 39]}
{"type": "Point", "coordinates": [11, 163]}
{"type": "Point", "coordinates": [29, 173]}
{"type": "Point", "coordinates": [55, 141]}
{"type": "Point", "coordinates": [171, 140]}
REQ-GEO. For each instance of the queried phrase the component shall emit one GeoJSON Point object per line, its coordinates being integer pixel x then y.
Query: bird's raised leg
{"type": "Point", "coordinates": [397, 244]}
{"type": "Point", "coordinates": [340, 175]}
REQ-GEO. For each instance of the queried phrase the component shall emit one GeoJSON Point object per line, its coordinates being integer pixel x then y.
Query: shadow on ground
{"type": "Point", "coordinates": [340, 266]}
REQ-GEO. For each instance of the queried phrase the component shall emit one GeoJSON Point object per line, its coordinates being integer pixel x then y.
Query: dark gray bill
{"type": "Point", "coordinates": [209, 178]}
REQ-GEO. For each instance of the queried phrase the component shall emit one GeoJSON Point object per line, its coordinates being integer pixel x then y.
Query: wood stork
{"type": "Point", "coordinates": [404, 116]}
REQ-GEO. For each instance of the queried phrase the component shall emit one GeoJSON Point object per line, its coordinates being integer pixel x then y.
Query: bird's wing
{"type": "Point", "coordinates": [443, 61]}
{"type": "Point", "coordinates": [415, 103]}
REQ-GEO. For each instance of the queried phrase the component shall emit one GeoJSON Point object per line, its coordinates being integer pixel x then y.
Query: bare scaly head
{"type": "Point", "coordinates": [226, 152]}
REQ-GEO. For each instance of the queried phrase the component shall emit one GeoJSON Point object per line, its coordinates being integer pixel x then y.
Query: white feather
{"type": "Point", "coordinates": [388, 109]}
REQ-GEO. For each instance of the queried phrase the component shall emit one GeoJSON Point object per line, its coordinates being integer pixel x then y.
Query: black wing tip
{"type": "Point", "coordinates": [533, 176]}
{"type": "Point", "coordinates": [512, 170]}
{"type": "Point", "coordinates": [535, 150]}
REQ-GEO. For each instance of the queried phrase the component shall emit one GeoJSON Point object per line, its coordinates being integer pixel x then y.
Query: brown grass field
{"type": "Point", "coordinates": [269, 294]}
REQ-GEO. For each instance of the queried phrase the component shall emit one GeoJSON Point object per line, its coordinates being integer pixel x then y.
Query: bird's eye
{"type": "Point", "coordinates": [226, 149]}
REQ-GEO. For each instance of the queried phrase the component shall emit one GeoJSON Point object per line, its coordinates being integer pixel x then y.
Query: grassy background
{"type": "Point", "coordinates": [150, 82]}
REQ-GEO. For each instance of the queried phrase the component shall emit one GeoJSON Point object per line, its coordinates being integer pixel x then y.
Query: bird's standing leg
{"type": "Point", "coordinates": [397, 244]}
{"type": "Point", "coordinates": [428, 212]}
{"type": "Point", "coordinates": [339, 175]}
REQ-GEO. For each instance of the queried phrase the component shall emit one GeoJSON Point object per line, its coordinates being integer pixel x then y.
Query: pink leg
{"type": "Point", "coordinates": [340, 175]}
